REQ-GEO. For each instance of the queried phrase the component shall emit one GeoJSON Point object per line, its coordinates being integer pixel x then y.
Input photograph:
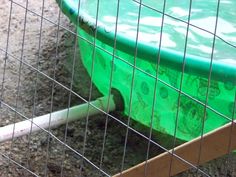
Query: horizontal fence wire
{"type": "Point", "coordinates": [187, 23]}
{"type": "Point", "coordinates": [51, 135]}
{"type": "Point", "coordinates": [130, 64]}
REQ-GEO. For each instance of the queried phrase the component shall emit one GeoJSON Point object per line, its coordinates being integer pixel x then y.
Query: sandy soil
{"type": "Point", "coordinates": [30, 93]}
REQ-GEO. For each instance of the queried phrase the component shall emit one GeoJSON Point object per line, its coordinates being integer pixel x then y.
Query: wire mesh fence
{"type": "Point", "coordinates": [93, 88]}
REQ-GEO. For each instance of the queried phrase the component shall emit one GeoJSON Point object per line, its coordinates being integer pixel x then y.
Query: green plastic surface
{"type": "Point", "coordinates": [139, 59]}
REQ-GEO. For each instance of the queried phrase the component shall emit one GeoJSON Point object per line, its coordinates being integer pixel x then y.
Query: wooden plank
{"type": "Point", "coordinates": [214, 144]}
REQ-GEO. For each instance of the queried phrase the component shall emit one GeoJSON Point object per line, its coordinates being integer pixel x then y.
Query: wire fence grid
{"type": "Point", "coordinates": [41, 72]}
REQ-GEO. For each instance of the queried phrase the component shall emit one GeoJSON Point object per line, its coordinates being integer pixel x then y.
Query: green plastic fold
{"type": "Point", "coordinates": [172, 93]}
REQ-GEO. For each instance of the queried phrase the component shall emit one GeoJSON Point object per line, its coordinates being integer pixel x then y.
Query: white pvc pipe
{"type": "Point", "coordinates": [55, 119]}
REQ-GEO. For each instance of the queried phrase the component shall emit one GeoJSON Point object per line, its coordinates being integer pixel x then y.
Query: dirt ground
{"type": "Point", "coordinates": [38, 50]}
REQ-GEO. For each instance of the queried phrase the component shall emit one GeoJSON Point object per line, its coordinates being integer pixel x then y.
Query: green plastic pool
{"type": "Point", "coordinates": [128, 42]}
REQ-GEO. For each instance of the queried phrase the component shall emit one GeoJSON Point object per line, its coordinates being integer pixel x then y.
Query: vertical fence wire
{"type": "Point", "coordinates": [53, 89]}
{"type": "Point", "coordinates": [36, 81]}
{"type": "Point", "coordinates": [91, 85]}
{"type": "Point", "coordinates": [155, 87]}
{"type": "Point", "coordinates": [110, 85]}
{"type": "Point", "coordinates": [132, 85]}
{"type": "Point", "coordinates": [19, 80]}
{"type": "Point", "coordinates": [75, 55]}
{"type": "Point", "coordinates": [208, 82]}
{"type": "Point", "coordinates": [180, 87]}
{"type": "Point", "coordinates": [6, 52]}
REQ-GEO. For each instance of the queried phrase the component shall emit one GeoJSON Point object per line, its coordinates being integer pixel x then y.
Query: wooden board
{"type": "Point", "coordinates": [214, 144]}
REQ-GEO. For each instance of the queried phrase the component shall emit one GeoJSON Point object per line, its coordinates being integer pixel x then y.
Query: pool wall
{"type": "Point", "coordinates": [159, 96]}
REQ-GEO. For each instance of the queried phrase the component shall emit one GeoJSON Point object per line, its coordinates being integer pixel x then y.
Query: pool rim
{"type": "Point", "coordinates": [220, 71]}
